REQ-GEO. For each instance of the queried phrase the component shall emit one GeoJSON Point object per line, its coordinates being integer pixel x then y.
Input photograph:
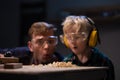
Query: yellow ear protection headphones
{"type": "Point", "coordinates": [63, 39]}
{"type": "Point", "coordinates": [93, 37]}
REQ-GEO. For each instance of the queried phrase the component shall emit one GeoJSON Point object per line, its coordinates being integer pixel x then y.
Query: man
{"type": "Point", "coordinates": [41, 46]}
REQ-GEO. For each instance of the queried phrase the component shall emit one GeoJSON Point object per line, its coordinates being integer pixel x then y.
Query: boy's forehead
{"type": "Point", "coordinates": [73, 29]}
{"type": "Point", "coordinates": [77, 28]}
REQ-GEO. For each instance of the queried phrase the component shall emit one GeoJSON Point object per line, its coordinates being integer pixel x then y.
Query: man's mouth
{"type": "Point", "coordinates": [46, 56]}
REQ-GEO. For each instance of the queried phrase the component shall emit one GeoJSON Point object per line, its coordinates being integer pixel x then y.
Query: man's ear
{"type": "Point", "coordinates": [30, 46]}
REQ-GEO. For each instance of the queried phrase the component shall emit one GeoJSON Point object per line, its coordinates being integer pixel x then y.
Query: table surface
{"type": "Point", "coordinates": [53, 73]}
{"type": "Point", "coordinates": [45, 69]}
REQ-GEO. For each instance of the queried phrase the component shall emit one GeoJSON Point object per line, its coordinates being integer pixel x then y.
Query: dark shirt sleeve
{"type": "Point", "coordinates": [110, 72]}
{"type": "Point", "coordinates": [103, 60]}
{"type": "Point", "coordinates": [4, 50]}
{"type": "Point", "coordinates": [1, 51]}
{"type": "Point", "coordinates": [59, 56]}
{"type": "Point", "coordinates": [23, 53]}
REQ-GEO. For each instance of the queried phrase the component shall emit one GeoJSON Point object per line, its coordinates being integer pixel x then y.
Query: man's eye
{"type": "Point", "coordinates": [51, 41]}
{"type": "Point", "coordinates": [40, 41]}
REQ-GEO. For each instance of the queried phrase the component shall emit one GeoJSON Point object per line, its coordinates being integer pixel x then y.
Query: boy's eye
{"type": "Point", "coordinates": [76, 37]}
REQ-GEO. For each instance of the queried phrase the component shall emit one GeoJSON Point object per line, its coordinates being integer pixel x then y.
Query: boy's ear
{"type": "Point", "coordinates": [30, 46]}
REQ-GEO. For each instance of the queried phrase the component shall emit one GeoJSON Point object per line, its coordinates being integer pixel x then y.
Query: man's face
{"type": "Point", "coordinates": [43, 46]}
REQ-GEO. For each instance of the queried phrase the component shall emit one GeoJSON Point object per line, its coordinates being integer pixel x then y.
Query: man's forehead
{"type": "Point", "coordinates": [39, 37]}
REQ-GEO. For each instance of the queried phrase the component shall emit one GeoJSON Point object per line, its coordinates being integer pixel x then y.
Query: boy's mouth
{"type": "Point", "coordinates": [75, 47]}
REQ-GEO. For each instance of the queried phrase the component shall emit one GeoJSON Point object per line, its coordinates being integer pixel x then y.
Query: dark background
{"type": "Point", "coordinates": [16, 16]}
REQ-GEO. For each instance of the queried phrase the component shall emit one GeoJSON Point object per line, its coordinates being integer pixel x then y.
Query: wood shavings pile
{"type": "Point", "coordinates": [58, 64]}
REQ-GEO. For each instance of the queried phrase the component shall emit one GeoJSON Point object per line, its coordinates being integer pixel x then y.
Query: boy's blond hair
{"type": "Point", "coordinates": [80, 21]}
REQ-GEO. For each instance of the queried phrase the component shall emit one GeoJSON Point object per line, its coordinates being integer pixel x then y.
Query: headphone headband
{"type": "Point", "coordinates": [91, 22]}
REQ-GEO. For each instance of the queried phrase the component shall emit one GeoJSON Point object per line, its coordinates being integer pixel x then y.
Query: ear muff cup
{"type": "Point", "coordinates": [93, 38]}
{"type": "Point", "coordinates": [65, 41]}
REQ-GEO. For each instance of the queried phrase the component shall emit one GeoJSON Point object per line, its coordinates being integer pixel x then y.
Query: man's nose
{"type": "Point", "coordinates": [46, 44]}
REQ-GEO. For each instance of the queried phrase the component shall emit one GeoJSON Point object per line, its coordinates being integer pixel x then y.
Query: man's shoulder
{"type": "Point", "coordinates": [17, 51]}
{"type": "Point", "coordinates": [59, 56]}
{"type": "Point", "coordinates": [21, 49]}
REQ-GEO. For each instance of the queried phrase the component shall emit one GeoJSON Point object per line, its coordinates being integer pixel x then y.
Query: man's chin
{"type": "Point", "coordinates": [46, 61]}
{"type": "Point", "coordinates": [46, 58]}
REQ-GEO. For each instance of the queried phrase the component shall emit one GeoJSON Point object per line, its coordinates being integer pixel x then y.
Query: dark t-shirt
{"type": "Point", "coordinates": [26, 57]}
{"type": "Point", "coordinates": [96, 59]}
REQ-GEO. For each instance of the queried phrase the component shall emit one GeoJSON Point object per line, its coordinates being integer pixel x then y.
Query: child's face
{"type": "Point", "coordinates": [77, 40]}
